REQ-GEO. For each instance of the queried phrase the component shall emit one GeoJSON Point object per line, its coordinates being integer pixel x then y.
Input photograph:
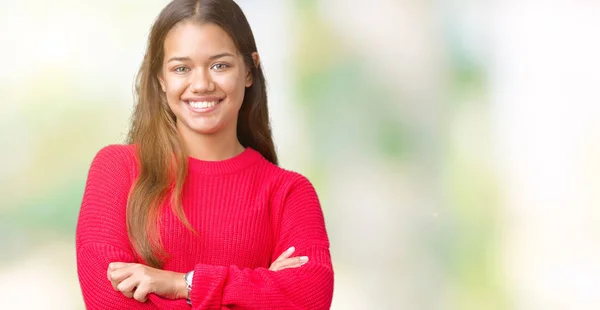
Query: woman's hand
{"type": "Point", "coordinates": [137, 281]}
{"type": "Point", "coordinates": [284, 261]}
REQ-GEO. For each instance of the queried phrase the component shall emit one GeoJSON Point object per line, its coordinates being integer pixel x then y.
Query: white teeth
{"type": "Point", "coordinates": [202, 104]}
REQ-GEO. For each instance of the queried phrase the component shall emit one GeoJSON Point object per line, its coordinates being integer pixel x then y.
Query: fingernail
{"type": "Point", "coordinates": [290, 250]}
{"type": "Point", "coordinates": [304, 259]}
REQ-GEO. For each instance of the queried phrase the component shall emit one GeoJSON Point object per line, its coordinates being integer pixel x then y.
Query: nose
{"type": "Point", "coordinates": [201, 82]}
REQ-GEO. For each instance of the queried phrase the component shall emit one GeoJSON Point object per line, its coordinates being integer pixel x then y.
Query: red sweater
{"type": "Point", "coordinates": [247, 212]}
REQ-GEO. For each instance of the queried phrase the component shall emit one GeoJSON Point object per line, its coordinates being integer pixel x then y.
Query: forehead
{"type": "Point", "coordinates": [192, 39]}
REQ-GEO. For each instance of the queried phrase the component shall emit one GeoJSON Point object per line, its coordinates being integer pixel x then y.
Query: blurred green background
{"type": "Point", "coordinates": [454, 144]}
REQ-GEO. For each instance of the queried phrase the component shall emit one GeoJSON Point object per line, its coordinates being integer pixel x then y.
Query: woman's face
{"type": "Point", "coordinates": [204, 78]}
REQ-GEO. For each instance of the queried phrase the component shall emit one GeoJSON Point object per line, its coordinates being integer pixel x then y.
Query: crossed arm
{"type": "Point", "coordinates": [112, 278]}
{"type": "Point", "coordinates": [136, 281]}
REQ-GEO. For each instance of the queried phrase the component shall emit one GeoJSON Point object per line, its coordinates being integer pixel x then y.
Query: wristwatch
{"type": "Point", "coordinates": [188, 282]}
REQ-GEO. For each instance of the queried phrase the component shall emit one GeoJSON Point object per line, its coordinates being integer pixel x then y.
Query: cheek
{"type": "Point", "coordinates": [174, 87]}
{"type": "Point", "coordinates": [234, 86]}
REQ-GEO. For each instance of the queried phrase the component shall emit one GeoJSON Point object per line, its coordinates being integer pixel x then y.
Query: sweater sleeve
{"type": "Point", "coordinates": [101, 234]}
{"type": "Point", "coordinates": [307, 287]}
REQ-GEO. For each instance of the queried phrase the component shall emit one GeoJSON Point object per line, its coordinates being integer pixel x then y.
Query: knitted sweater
{"type": "Point", "coordinates": [246, 211]}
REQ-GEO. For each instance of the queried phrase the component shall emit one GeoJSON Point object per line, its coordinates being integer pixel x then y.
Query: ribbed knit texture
{"type": "Point", "coordinates": [246, 211]}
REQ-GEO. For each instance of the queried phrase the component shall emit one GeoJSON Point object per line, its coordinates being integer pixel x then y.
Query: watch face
{"type": "Point", "coordinates": [188, 277]}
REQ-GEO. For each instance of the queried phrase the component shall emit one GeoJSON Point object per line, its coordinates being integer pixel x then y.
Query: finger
{"type": "Point", "coordinates": [127, 286]}
{"type": "Point", "coordinates": [286, 254]}
{"type": "Point", "coordinates": [114, 266]}
{"type": "Point", "coordinates": [141, 293]}
{"type": "Point", "coordinates": [293, 262]}
{"type": "Point", "coordinates": [116, 276]}
{"type": "Point", "coordinates": [118, 265]}
{"type": "Point", "coordinates": [274, 266]}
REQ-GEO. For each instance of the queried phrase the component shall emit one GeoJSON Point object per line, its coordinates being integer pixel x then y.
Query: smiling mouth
{"type": "Point", "coordinates": [203, 106]}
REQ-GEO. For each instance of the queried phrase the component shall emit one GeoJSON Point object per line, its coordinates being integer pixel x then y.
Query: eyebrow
{"type": "Point", "coordinates": [211, 57]}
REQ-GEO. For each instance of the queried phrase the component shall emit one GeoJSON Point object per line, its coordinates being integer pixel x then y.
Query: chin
{"type": "Point", "coordinates": [206, 130]}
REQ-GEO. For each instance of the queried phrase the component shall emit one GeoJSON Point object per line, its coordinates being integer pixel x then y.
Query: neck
{"type": "Point", "coordinates": [212, 147]}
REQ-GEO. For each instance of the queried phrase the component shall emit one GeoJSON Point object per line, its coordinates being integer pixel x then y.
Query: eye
{"type": "Point", "coordinates": [181, 70]}
{"type": "Point", "coordinates": [220, 66]}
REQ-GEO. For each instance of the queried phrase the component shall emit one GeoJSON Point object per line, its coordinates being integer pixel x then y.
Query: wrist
{"type": "Point", "coordinates": [181, 286]}
{"type": "Point", "coordinates": [188, 278]}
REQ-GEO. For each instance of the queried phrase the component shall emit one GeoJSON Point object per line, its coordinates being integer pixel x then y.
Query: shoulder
{"type": "Point", "coordinates": [115, 161]}
{"type": "Point", "coordinates": [286, 181]}
{"type": "Point", "coordinates": [295, 202]}
{"type": "Point", "coordinates": [122, 153]}
{"type": "Point", "coordinates": [115, 155]}
{"type": "Point", "coordinates": [295, 179]}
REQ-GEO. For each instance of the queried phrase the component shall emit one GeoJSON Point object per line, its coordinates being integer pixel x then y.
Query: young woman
{"type": "Point", "coordinates": [194, 212]}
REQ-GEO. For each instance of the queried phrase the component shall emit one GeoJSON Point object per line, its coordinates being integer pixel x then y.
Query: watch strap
{"type": "Point", "coordinates": [188, 284]}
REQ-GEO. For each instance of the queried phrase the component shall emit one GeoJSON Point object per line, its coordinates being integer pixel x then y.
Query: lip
{"type": "Point", "coordinates": [202, 99]}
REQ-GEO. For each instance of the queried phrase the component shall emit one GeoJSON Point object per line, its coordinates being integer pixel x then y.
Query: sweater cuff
{"type": "Point", "coordinates": [207, 286]}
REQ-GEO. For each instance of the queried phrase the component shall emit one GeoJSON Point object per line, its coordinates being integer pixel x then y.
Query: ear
{"type": "Point", "coordinates": [161, 80]}
{"type": "Point", "coordinates": [256, 63]}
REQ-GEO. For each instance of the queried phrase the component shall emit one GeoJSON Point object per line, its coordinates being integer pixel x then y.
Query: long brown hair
{"type": "Point", "coordinates": [160, 152]}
